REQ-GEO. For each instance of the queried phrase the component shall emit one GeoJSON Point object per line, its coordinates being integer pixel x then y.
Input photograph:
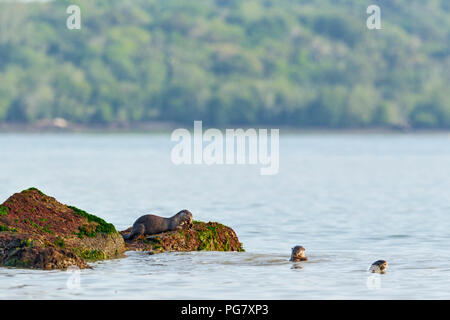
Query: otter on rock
{"type": "Point", "coordinates": [298, 254]}
{"type": "Point", "coordinates": [378, 266]}
{"type": "Point", "coordinates": [151, 224]}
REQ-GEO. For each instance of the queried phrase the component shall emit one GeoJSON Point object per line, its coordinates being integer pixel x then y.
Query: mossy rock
{"type": "Point", "coordinates": [101, 227]}
{"type": "Point", "coordinates": [200, 236]}
{"type": "Point", "coordinates": [39, 232]}
{"type": "Point", "coordinates": [3, 211]}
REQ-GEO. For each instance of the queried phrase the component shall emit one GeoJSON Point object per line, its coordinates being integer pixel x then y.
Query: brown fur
{"type": "Point", "coordinates": [378, 266]}
{"type": "Point", "coordinates": [151, 224]}
{"type": "Point", "coordinates": [298, 254]}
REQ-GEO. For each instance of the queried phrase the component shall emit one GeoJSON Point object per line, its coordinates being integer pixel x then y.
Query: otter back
{"type": "Point", "coordinates": [153, 224]}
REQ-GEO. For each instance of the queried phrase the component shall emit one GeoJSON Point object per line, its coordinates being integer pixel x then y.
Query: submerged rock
{"type": "Point", "coordinates": [38, 232]}
{"type": "Point", "coordinates": [211, 236]}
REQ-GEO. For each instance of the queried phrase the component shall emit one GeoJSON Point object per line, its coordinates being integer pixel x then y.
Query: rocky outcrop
{"type": "Point", "coordinates": [38, 232]}
{"type": "Point", "coordinates": [211, 236]}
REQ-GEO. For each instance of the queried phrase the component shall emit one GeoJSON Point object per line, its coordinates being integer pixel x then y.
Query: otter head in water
{"type": "Point", "coordinates": [378, 266]}
{"type": "Point", "coordinates": [298, 254]}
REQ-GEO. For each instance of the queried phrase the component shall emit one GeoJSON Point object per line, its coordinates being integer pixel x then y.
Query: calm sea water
{"type": "Point", "coordinates": [348, 199]}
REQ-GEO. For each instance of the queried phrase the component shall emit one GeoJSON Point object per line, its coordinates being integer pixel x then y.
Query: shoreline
{"type": "Point", "coordinates": [62, 126]}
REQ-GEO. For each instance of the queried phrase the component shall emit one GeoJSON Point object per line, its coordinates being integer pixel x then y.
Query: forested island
{"type": "Point", "coordinates": [304, 64]}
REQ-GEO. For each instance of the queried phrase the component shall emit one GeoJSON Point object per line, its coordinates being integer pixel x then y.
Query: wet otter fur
{"type": "Point", "coordinates": [151, 224]}
{"type": "Point", "coordinates": [298, 254]}
{"type": "Point", "coordinates": [378, 266]}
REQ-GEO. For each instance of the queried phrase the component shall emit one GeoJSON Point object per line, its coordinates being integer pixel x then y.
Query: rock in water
{"type": "Point", "coordinates": [38, 232]}
{"type": "Point", "coordinates": [211, 236]}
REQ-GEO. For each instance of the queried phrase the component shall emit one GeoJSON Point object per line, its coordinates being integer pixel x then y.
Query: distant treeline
{"type": "Point", "coordinates": [310, 63]}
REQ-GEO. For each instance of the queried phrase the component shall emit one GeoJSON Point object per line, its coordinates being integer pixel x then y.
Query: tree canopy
{"type": "Point", "coordinates": [310, 63]}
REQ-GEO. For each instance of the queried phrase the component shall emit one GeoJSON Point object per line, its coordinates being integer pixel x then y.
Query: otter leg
{"type": "Point", "coordinates": [136, 232]}
{"type": "Point", "coordinates": [126, 236]}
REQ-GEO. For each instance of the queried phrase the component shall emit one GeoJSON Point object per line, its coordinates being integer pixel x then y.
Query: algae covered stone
{"type": "Point", "coordinates": [37, 231]}
{"type": "Point", "coordinates": [199, 236]}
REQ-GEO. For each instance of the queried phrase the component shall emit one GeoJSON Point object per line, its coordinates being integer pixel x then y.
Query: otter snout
{"type": "Point", "coordinates": [298, 254]}
{"type": "Point", "coordinates": [186, 217]}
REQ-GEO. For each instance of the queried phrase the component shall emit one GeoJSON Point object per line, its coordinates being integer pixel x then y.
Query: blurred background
{"type": "Point", "coordinates": [300, 64]}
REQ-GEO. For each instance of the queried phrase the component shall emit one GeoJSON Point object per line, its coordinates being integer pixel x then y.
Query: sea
{"type": "Point", "coordinates": [348, 198]}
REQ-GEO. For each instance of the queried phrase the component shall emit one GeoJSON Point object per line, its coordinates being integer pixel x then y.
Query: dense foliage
{"type": "Point", "coordinates": [228, 62]}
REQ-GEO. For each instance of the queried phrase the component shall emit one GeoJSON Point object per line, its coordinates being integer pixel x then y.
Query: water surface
{"type": "Point", "coordinates": [348, 199]}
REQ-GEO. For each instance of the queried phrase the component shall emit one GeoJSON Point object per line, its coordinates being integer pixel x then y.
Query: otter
{"type": "Point", "coordinates": [298, 254]}
{"type": "Point", "coordinates": [151, 224]}
{"type": "Point", "coordinates": [378, 266]}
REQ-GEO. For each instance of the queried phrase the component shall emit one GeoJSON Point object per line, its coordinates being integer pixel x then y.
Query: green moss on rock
{"type": "Point", "coordinates": [60, 242]}
{"type": "Point", "coordinates": [201, 236]}
{"type": "Point", "coordinates": [4, 228]}
{"type": "Point", "coordinates": [102, 225]}
{"type": "Point", "coordinates": [90, 255]}
{"type": "Point", "coordinates": [47, 229]}
{"type": "Point", "coordinates": [32, 223]}
{"type": "Point", "coordinates": [206, 238]}
{"type": "Point", "coordinates": [17, 262]}
{"type": "Point", "coordinates": [3, 211]}
{"type": "Point", "coordinates": [27, 243]}
{"type": "Point", "coordinates": [34, 189]}
{"type": "Point", "coordinates": [85, 232]}
{"type": "Point", "coordinates": [39, 232]}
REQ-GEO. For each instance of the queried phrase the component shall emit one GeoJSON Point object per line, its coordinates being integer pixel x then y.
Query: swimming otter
{"type": "Point", "coordinates": [378, 266]}
{"type": "Point", "coordinates": [298, 254]}
{"type": "Point", "coordinates": [151, 224]}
